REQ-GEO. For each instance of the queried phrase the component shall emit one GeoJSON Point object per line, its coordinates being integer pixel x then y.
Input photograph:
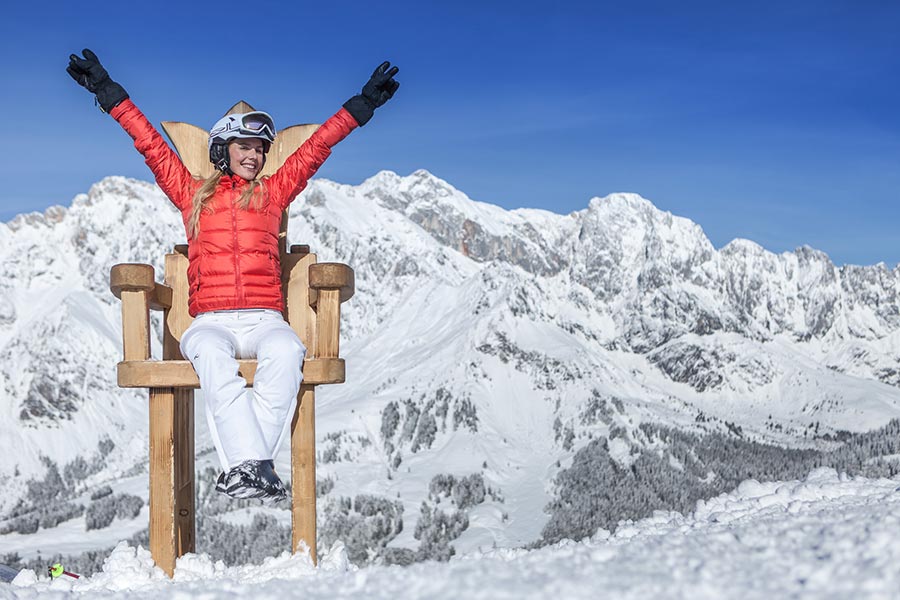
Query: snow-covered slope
{"type": "Point", "coordinates": [821, 537]}
{"type": "Point", "coordinates": [480, 343]}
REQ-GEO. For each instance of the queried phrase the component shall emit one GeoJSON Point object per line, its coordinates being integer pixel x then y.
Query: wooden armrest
{"type": "Point", "coordinates": [331, 276]}
{"type": "Point", "coordinates": [135, 286]}
{"type": "Point", "coordinates": [330, 284]}
{"type": "Point", "coordinates": [134, 277]}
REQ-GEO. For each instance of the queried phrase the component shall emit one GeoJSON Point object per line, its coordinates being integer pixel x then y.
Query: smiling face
{"type": "Point", "coordinates": [246, 156]}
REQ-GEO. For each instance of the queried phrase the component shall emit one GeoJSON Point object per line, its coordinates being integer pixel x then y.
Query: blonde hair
{"type": "Point", "coordinates": [254, 193]}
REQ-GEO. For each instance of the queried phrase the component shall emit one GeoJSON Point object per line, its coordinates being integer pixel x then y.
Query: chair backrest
{"type": "Point", "coordinates": [191, 142]}
{"type": "Point", "coordinates": [176, 319]}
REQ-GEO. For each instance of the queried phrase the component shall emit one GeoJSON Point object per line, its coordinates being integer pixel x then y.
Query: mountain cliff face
{"type": "Point", "coordinates": [480, 342]}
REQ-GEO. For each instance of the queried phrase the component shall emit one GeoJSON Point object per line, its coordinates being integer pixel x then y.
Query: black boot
{"type": "Point", "coordinates": [252, 479]}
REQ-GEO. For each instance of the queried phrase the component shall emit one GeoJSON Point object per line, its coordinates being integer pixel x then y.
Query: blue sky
{"type": "Point", "coordinates": [773, 121]}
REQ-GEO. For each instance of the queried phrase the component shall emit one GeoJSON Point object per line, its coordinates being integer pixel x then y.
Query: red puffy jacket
{"type": "Point", "coordinates": [234, 262]}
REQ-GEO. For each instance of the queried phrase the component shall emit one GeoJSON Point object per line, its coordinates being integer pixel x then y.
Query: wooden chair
{"type": "Point", "coordinates": [313, 294]}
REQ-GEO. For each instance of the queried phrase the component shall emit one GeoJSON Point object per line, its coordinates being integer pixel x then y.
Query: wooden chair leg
{"type": "Point", "coordinates": [185, 528]}
{"type": "Point", "coordinates": [171, 475]}
{"type": "Point", "coordinates": [303, 472]}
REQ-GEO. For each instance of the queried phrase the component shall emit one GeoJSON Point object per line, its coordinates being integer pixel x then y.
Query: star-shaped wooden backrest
{"type": "Point", "coordinates": [192, 144]}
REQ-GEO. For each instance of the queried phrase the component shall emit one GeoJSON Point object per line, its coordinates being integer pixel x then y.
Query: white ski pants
{"type": "Point", "coordinates": [246, 423]}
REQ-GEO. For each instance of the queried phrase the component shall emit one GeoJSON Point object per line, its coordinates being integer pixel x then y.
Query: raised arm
{"type": "Point", "coordinates": [171, 175]}
{"type": "Point", "coordinates": [300, 166]}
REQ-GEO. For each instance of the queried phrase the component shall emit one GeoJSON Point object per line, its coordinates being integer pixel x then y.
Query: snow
{"type": "Point", "coordinates": [826, 536]}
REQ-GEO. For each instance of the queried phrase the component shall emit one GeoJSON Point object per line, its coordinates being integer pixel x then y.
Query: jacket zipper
{"type": "Point", "coordinates": [234, 233]}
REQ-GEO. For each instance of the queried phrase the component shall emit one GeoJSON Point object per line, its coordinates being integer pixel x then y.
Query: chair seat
{"type": "Point", "coordinates": [180, 373]}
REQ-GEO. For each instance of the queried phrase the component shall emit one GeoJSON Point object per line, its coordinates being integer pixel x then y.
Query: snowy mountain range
{"type": "Point", "coordinates": [485, 350]}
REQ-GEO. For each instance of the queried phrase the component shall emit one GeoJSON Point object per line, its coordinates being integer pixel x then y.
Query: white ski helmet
{"type": "Point", "coordinates": [256, 124]}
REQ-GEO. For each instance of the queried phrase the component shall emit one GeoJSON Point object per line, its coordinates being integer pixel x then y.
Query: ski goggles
{"type": "Point", "coordinates": [258, 122]}
{"type": "Point", "coordinates": [252, 124]}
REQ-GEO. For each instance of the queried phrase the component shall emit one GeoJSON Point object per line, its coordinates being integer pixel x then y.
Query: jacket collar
{"type": "Point", "coordinates": [232, 181]}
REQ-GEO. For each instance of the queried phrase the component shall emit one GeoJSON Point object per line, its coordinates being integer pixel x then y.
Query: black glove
{"type": "Point", "coordinates": [91, 75]}
{"type": "Point", "coordinates": [379, 89]}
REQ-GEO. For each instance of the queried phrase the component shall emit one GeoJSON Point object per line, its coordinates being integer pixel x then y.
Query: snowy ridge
{"type": "Point", "coordinates": [822, 537]}
{"type": "Point", "coordinates": [481, 343]}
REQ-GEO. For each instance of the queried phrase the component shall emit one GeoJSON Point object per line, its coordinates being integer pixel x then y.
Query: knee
{"type": "Point", "coordinates": [297, 350]}
{"type": "Point", "coordinates": [285, 349]}
{"type": "Point", "coordinates": [204, 343]}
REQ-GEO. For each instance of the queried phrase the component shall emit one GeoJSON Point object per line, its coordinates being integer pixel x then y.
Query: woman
{"type": "Point", "coordinates": [232, 220]}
